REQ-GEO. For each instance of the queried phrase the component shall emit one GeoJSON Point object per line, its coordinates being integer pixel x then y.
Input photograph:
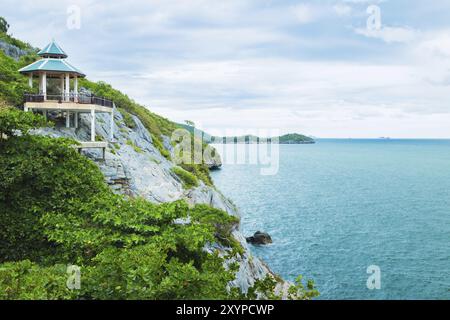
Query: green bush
{"type": "Point", "coordinates": [13, 85]}
{"type": "Point", "coordinates": [12, 120]}
{"type": "Point", "coordinates": [200, 171]}
{"type": "Point", "coordinates": [189, 180]}
{"type": "Point", "coordinates": [127, 118]}
{"type": "Point", "coordinates": [25, 280]}
{"type": "Point", "coordinates": [135, 147]}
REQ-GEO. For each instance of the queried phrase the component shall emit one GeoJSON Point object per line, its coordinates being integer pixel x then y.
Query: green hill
{"type": "Point", "coordinates": [292, 138]}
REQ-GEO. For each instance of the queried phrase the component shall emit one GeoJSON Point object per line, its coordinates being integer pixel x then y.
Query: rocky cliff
{"type": "Point", "coordinates": [134, 166]}
{"type": "Point", "coordinates": [11, 50]}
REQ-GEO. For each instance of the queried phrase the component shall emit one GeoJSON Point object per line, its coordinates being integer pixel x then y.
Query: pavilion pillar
{"type": "Point", "coordinates": [67, 119]}
{"type": "Point", "coordinates": [93, 125]}
{"type": "Point", "coordinates": [76, 119]}
{"type": "Point", "coordinates": [62, 88]}
{"type": "Point", "coordinates": [67, 88]}
{"type": "Point", "coordinates": [30, 80]}
{"type": "Point", "coordinates": [40, 83]}
{"type": "Point", "coordinates": [75, 88]}
{"type": "Point", "coordinates": [44, 85]}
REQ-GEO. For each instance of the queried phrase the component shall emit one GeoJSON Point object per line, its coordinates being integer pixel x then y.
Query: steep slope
{"type": "Point", "coordinates": [135, 167]}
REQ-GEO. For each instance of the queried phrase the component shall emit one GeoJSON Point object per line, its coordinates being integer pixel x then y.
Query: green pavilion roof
{"type": "Point", "coordinates": [52, 50]}
{"type": "Point", "coordinates": [52, 65]}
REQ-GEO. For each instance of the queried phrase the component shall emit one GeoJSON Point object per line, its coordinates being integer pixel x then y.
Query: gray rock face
{"type": "Point", "coordinates": [212, 158]}
{"type": "Point", "coordinates": [134, 166]}
{"type": "Point", "coordinates": [12, 51]}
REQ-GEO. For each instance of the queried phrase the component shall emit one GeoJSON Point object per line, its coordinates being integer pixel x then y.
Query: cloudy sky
{"type": "Point", "coordinates": [298, 66]}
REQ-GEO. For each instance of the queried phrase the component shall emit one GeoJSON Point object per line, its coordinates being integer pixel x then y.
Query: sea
{"type": "Point", "coordinates": [364, 219]}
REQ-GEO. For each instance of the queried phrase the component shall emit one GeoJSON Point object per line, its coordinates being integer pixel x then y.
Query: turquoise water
{"type": "Point", "coordinates": [339, 206]}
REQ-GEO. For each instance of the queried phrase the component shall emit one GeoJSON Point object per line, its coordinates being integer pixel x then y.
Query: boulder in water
{"type": "Point", "coordinates": [260, 238]}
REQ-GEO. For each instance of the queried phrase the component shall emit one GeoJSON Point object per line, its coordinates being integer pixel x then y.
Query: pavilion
{"type": "Point", "coordinates": [53, 65]}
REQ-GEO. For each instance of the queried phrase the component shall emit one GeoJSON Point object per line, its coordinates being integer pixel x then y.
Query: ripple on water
{"type": "Point", "coordinates": [337, 207]}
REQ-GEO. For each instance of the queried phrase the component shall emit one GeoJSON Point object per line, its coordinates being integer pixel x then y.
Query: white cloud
{"type": "Point", "coordinates": [390, 34]}
{"type": "Point", "coordinates": [239, 63]}
{"type": "Point", "coordinates": [436, 45]}
{"type": "Point", "coordinates": [305, 13]}
{"type": "Point", "coordinates": [342, 9]}
{"type": "Point", "coordinates": [293, 95]}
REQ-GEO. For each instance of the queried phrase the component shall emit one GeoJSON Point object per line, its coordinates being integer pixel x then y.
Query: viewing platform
{"type": "Point", "coordinates": [74, 102]}
{"type": "Point", "coordinates": [58, 91]}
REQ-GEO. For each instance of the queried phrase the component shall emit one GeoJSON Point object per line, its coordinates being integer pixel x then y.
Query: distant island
{"type": "Point", "coordinates": [291, 138]}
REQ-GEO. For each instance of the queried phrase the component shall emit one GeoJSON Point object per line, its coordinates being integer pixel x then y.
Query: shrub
{"type": "Point", "coordinates": [135, 147]}
{"type": "Point", "coordinates": [13, 85]}
{"type": "Point", "coordinates": [127, 118]}
{"type": "Point", "coordinates": [13, 120]}
{"type": "Point", "coordinates": [188, 179]}
{"type": "Point", "coordinates": [25, 280]}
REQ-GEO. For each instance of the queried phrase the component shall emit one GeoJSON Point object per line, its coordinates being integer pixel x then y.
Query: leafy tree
{"type": "Point", "coordinates": [4, 26]}
{"type": "Point", "coordinates": [13, 120]}
{"type": "Point", "coordinates": [12, 84]}
{"type": "Point", "coordinates": [189, 123]}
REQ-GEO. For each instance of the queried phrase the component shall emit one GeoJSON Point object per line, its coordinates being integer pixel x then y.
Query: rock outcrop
{"type": "Point", "coordinates": [12, 51]}
{"type": "Point", "coordinates": [259, 238]}
{"type": "Point", "coordinates": [134, 166]}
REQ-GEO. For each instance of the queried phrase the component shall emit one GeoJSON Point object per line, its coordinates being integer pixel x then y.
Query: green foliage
{"type": "Point", "coordinates": [12, 120]}
{"type": "Point", "coordinates": [200, 171]}
{"type": "Point", "coordinates": [159, 145]}
{"type": "Point", "coordinates": [135, 147]}
{"type": "Point", "coordinates": [13, 85]}
{"type": "Point", "coordinates": [39, 175]}
{"type": "Point", "coordinates": [266, 288]}
{"type": "Point", "coordinates": [4, 26]}
{"type": "Point", "coordinates": [189, 123]}
{"type": "Point", "coordinates": [299, 291]}
{"type": "Point", "coordinates": [28, 281]}
{"type": "Point", "coordinates": [189, 180]}
{"type": "Point", "coordinates": [295, 138]}
{"type": "Point", "coordinates": [127, 118]}
{"type": "Point", "coordinates": [223, 224]}
{"type": "Point", "coordinates": [186, 156]}
{"type": "Point", "coordinates": [4, 37]}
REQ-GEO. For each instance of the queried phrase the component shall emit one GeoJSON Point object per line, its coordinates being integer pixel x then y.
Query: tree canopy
{"type": "Point", "coordinates": [4, 26]}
